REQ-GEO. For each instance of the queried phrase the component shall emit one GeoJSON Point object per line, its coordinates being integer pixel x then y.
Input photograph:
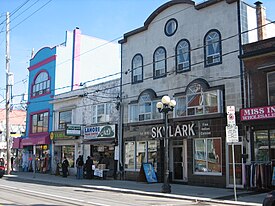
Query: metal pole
{"type": "Point", "coordinates": [166, 188]}
{"type": "Point", "coordinates": [234, 176]}
{"type": "Point", "coordinates": [8, 93]}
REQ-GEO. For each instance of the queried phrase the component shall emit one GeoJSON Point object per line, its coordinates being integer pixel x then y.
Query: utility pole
{"type": "Point", "coordinates": [8, 93]}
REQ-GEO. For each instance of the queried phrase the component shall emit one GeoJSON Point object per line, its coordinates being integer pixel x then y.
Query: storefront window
{"type": "Point", "coordinates": [130, 155]}
{"type": "Point", "coordinates": [207, 155]}
{"type": "Point", "coordinates": [141, 158]}
{"type": "Point", "coordinates": [152, 153]}
{"type": "Point", "coordinates": [143, 152]}
{"type": "Point", "coordinates": [272, 145]}
{"type": "Point", "coordinates": [261, 145]}
{"type": "Point", "coordinates": [69, 152]}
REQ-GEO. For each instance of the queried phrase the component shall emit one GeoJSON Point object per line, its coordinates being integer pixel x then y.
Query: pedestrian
{"type": "Point", "coordinates": [89, 168]}
{"type": "Point", "coordinates": [79, 165]}
{"type": "Point", "coordinates": [65, 165]}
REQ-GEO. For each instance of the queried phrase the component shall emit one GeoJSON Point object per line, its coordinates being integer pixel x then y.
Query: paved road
{"type": "Point", "coordinates": [34, 193]}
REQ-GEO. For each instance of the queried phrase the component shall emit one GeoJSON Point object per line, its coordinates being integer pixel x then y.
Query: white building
{"type": "Point", "coordinates": [189, 52]}
{"type": "Point", "coordinates": [91, 109]}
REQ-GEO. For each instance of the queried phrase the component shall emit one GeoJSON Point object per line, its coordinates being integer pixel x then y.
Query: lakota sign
{"type": "Point", "coordinates": [94, 132]}
{"type": "Point", "coordinates": [257, 113]}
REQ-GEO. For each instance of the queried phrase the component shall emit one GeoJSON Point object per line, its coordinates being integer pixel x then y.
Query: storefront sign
{"type": "Point", "coordinates": [257, 113]}
{"type": "Point", "coordinates": [73, 130]}
{"type": "Point", "coordinates": [58, 135]}
{"type": "Point", "coordinates": [205, 129]}
{"type": "Point", "coordinates": [95, 132]}
{"type": "Point", "coordinates": [185, 130]}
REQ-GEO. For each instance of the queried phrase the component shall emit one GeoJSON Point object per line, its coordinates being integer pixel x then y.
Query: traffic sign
{"type": "Point", "coordinates": [230, 109]}
{"type": "Point", "coordinates": [231, 120]}
{"type": "Point", "coordinates": [232, 134]}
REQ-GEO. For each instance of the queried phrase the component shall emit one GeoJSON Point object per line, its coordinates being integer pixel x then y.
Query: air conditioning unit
{"type": "Point", "coordinates": [213, 59]}
{"type": "Point", "coordinates": [141, 117]}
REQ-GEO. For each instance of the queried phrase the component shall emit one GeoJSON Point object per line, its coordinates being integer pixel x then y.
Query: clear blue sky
{"type": "Point", "coordinates": [41, 23]}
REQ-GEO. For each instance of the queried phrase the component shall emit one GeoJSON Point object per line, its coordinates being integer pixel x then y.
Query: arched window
{"type": "Point", "coordinates": [41, 84]}
{"type": "Point", "coordinates": [183, 56]}
{"type": "Point", "coordinates": [137, 69]}
{"type": "Point", "coordinates": [159, 62]}
{"type": "Point", "coordinates": [199, 100]}
{"type": "Point", "coordinates": [212, 48]}
{"type": "Point", "coordinates": [144, 108]}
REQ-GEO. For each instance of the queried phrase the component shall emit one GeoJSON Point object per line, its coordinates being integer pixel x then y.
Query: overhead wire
{"type": "Point", "coordinates": [130, 70]}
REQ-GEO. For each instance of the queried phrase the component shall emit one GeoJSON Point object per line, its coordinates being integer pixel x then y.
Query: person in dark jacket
{"type": "Point", "coordinates": [88, 168]}
{"type": "Point", "coordinates": [65, 165]}
{"type": "Point", "coordinates": [79, 165]}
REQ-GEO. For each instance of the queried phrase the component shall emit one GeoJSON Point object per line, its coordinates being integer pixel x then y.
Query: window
{"type": "Point", "coordinates": [129, 155]}
{"type": "Point", "coordinates": [64, 118]}
{"type": "Point", "coordinates": [207, 156]}
{"type": "Point", "coordinates": [140, 152]}
{"type": "Point", "coordinates": [199, 102]}
{"type": "Point", "coordinates": [137, 69]}
{"type": "Point", "coordinates": [101, 113]}
{"type": "Point", "coordinates": [212, 48]}
{"type": "Point", "coordinates": [145, 109]}
{"type": "Point", "coordinates": [41, 84]}
{"type": "Point", "coordinates": [183, 56]}
{"type": "Point", "coordinates": [40, 122]}
{"type": "Point", "coordinates": [271, 87]}
{"type": "Point", "coordinates": [171, 27]}
{"type": "Point", "coordinates": [159, 63]}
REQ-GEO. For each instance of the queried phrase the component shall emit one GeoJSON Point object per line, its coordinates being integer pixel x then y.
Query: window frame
{"type": "Point", "coordinates": [107, 107]}
{"type": "Point", "coordinates": [135, 155]}
{"type": "Point", "coordinates": [270, 102]}
{"type": "Point", "coordinates": [166, 27]}
{"type": "Point", "coordinates": [183, 105]}
{"type": "Point", "coordinates": [159, 62]}
{"type": "Point", "coordinates": [206, 159]}
{"type": "Point", "coordinates": [206, 49]}
{"type": "Point", "coordinates": [137, 109]}
{"type": "Point", "coordinates": [136, 69]}
{"type": "Point", "coordinates": [185, 69]}
{"type": "Point", "coordinates": [41, 88]}
{"type": "Point", "coordinates": [41, 122]}
{"type": "Point", "coordinates": [63, 127]}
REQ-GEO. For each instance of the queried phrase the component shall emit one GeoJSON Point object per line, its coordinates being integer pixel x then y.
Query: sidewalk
{"type": "Point", "coordinates": [218, 195]}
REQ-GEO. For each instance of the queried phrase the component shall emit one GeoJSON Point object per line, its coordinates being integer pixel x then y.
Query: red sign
{"type": "Point", "coordinates": [257, 113]}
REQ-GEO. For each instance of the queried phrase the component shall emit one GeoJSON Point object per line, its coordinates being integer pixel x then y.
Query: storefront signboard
{"type": "Point", "coordinates": [73, 130]}
{"type": "Point", "coordinates": [257, 113]}
{"type": "Point", "coordinates": [97, 132]}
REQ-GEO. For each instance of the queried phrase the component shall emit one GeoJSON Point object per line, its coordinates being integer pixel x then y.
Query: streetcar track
{"type": "Point", "coordinates": [57, 198]}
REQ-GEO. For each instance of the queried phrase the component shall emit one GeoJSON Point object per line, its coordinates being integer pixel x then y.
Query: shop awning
{"type": "Point", "coordinates": [103, 141]}
{"type": "Point", "coordinates": [39, 140]}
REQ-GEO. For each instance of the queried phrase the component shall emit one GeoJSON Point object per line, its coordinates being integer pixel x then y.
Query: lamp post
{"type": "Point", "coordinates": [166, 105]}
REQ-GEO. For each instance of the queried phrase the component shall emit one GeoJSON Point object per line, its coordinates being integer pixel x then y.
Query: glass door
{"type": "Point", "coordinates": [179, 163]}
{"type": "Point", "coordinates": [238, 151]}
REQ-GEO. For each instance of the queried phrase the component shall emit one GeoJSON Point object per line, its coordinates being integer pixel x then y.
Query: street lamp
{"type": "Point", "coordinates": [166, 105]}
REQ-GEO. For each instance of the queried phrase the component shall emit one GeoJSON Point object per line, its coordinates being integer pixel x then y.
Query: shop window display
{"type": "Point", "coordinates": [207, 156]}
{"type": "Point", "coordinates": [140, 152]}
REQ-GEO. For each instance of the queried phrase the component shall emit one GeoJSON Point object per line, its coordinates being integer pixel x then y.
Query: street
{"type": "Point", "coordinates": [28, 192]}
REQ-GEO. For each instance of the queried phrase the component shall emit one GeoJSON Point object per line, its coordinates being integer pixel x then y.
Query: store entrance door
{"type": "Point", "coordinates": [238, 151]}
{"type": "Point", "coordinates": [179, 163]}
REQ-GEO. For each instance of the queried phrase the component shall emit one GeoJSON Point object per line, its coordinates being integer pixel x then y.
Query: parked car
{"type": "Point", "coordinates": [269, 200]}
{"type": "Point", "coordinates": [2, 167]}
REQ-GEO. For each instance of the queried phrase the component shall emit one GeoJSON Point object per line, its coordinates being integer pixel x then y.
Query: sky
{"type": "Point", "coordinates": [35, 24]}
